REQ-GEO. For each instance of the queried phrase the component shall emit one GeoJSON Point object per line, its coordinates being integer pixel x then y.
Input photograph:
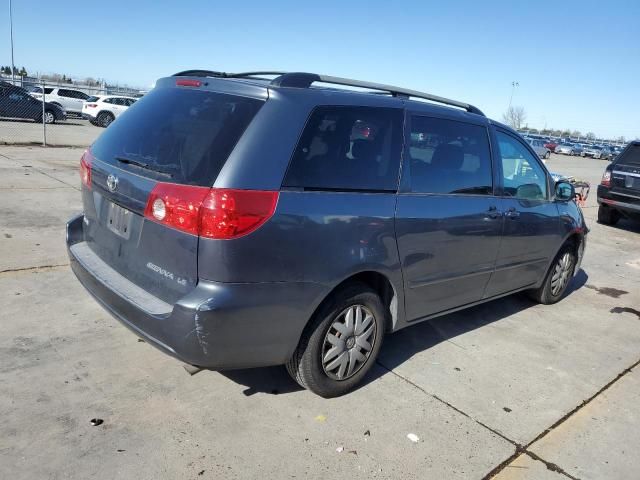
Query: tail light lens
{"type": "Point", "coordinates": [91, 105]}
{"type": "Point", "coordinates": [230, 213]}
{"type": "Point", "coordinates": [209, 212]}
{"type": "Point", "coordinates": [85, 168]}
{"type": "Point", "coordinates": [606, 178]}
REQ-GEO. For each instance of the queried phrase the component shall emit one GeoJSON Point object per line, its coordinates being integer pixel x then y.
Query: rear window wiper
{"type": "Point", "coordinates": [146, 166]}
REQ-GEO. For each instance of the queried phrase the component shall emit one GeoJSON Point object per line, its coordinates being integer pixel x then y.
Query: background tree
{"type": "Point", "coordinates": [590, 136]}
{"type": "Point", "coordinates": [514, 117]}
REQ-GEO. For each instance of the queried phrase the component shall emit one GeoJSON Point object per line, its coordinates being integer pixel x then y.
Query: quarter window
{"type": "Point", "coordinates": [449, 157]}
{"type": "Point", "coordinates": [348, 148]}
{"type": "Point", "coordinates": [523, 176]}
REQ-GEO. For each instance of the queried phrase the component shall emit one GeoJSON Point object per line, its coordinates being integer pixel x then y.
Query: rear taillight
{"type": "Point", "coordinates": [606, 178]}
{"type": "Point", "coordinates": [230, 213]}
{"type": "Point", "coordinates": [91, 105]}
{"type": "Point", "coordinates": [210, 212]}
{"type": "Point", "coordinates": [85, 168]}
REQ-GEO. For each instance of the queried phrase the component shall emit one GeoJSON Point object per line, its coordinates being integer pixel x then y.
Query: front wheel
{"type": "Point", "coordinates": [341, 342]}
{"type": "Point", "coordinates": [547, 155]}
{"type": "Point", "coordinates": [557, 279]}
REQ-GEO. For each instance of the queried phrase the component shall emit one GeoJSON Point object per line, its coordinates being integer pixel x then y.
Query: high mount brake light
{"type": "Point", "coordinates": [188, 83]}
{"type": "Point", "coordinates": [85, 168]}
{"type": "Point", "coordinates": [217, 213]}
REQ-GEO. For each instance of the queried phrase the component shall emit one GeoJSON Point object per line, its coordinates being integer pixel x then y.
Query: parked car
{"type": "Point", "coordinates": [551, 145]}
{"type": "Point", "coordinates": [592, 151]}
{"type": "Point", "coordinates": [104, 109]}
{"type": "Point", "coordinates": [578, 148]}
{"type": "Point", "coordinates": [15, 102]}
{"type": "Point", "coordinates": [619, 190]}
{"type": "Point", "coordinates": [69, 99]}
{"type": "Point", "coordinates": [539, 148]}
{"type": "Point", "coordinates": [238, 222]}
{"type": "Point", "coordinates": [607, 153]}
{"type": "Point", "coordinates": [565, 149]}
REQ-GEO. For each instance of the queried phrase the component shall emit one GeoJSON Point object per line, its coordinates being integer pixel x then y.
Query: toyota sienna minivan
{"type": "Point", "coordinates": [267, 218]}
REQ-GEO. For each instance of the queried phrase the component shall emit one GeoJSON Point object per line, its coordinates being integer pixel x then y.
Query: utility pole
{"type": "Point", "coordinates": [13, 76]}
{"type": "Point", "coordinates": [514, 84]}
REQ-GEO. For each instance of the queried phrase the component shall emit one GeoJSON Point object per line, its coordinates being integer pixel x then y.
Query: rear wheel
{"type": "Point", "coordinates": [341, 342]}
{"type": "Point", "coordinates": [104, 119]}
{"type": "Point", "coordinates": [557, 279]}
{"type": "Point", "coordinates": [49, 117]}
{"type": "Point", "coordinates": [547, 155]}
{"type": "Point", "coordinates": [608, 215]}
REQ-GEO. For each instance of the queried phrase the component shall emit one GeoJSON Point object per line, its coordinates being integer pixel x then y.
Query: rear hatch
{"type": "Point", "coordinates": [176, 135]}
{"type": "Point", "coordinates": [625, 178]}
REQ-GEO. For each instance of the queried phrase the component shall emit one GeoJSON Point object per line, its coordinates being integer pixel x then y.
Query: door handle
{"type": "Point", "coordinates": [512, 213]}
{"type": "Point", "coordinates": [493, 212]}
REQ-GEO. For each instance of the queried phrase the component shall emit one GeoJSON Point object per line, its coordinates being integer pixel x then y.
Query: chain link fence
{"type": "Point", "coordinates": [34, 112]}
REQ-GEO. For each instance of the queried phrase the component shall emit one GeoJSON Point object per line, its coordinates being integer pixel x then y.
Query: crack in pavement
{"type": "Point", "coordinates": [33, 269]}
{"type": "Point", "coordinates": [522, 449]}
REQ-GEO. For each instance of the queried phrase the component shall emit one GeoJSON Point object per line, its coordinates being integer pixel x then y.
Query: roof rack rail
{"type": "Point", "coordinates": [304, 80]}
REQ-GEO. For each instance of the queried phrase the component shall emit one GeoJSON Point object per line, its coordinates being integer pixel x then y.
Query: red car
{"type": "Point", "coordinates": [551, 145]}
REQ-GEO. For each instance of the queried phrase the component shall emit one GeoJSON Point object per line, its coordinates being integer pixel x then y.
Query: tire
{"type": "Point", "coordinates": [608, 215]}
{"type": "Point", "coordinates": [104, 119]}
{"type": "Point", "coordinates": [557, 279]}
{"type": "Point", "coordinates": [547, 155]}
{"type": "Point", "coordinates": [324, 337]}
{"type": "Point", "coordinates": [582, 155]}
{"type": "Point", "coordinates": [49, 117]}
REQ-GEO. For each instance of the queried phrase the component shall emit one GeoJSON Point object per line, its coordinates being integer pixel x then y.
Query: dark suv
{"type": "Point", "coordinates": [619, 190]}
{"type": "Point", "coordinates": [234, 220]}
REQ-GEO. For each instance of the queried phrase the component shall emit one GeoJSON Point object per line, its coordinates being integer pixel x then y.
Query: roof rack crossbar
{"type": "Point", "coordinates": [212, 73]}
{"type": "Point", "coordinates": [304, 80]}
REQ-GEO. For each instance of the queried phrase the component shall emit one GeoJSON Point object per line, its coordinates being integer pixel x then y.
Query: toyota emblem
{"type": "Point", "coordinates": [112, 182]}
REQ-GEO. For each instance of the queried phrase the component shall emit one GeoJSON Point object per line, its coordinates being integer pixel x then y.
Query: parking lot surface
{"type": "Point", "coordinates": [73, 132]}
{"type": "Point", "coordinates": [509, 389]}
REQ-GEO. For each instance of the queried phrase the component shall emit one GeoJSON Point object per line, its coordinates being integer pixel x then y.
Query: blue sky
{"type": "Point", "coordinates": [577, 63]}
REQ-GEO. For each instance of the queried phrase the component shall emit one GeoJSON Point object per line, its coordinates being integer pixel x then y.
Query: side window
{"type": "Point", "coordinates": [449, 157]}
{"type": "Point", "coordinates": [523, 176]}
{"type": "Point", "coordinates": [65, 93]}
{"type": "Point", "coordinates": [109, 100]}
{"type": "Point", "coordinates": [81, 95]}
{"type": "Point", "coordinates": [348, 148]}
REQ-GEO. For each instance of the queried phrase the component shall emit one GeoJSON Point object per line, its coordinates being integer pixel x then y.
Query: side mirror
{"type": "Point", "coordinates": [565, 191]}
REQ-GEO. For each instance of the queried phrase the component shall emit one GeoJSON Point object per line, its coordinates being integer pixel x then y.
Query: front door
{"type": "Point", "coordinates": [532, 230]}
{"type": "Point", "coordinates": [448, 222]}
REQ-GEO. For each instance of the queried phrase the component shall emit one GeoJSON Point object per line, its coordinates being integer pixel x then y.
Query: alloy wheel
{"type": "Point", "coordinates": [49, 117]}
{"type": "Point", "coordinates": [349, 342]}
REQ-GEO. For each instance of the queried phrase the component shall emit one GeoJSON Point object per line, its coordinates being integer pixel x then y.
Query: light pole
{"type": "Point", "coordinates": [514, 84]}
{"type": "Point", "coordinates": [13, 77]}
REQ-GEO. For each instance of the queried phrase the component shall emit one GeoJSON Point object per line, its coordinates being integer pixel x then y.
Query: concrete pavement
{"type": "Point", "coordinates": [494, 390]}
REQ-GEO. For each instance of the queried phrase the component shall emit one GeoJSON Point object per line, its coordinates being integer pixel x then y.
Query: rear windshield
{"type": "Point", "coordinates": [93, 99]}
{"type": "Point", "coordinates": [631, 156]}
{"type": "Point", "coordinates": [180, 135]}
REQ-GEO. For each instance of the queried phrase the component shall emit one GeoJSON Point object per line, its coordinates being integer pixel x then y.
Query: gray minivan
{"type": "Point", "coordinates": [267, 218]}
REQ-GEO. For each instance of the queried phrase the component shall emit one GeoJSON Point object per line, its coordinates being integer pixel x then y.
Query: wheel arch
{"type": "Point", "coordinates": [379, 283]}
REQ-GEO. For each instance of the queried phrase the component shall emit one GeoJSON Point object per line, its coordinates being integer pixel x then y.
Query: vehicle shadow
{"type": "Point", "coordinates": [401, 346]}
{"type": "Point", "coordinates": [628, 225]}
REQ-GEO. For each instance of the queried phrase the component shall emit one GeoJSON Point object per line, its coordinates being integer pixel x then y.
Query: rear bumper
{"type": "Point", "coordinates": [216, 325]}
{"type": "Point", "coordinates": [625, 203]}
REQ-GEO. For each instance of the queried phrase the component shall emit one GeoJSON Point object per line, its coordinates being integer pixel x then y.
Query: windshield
{"type": "Point", "coordinates": [631, 156]}
{"type": "Point", "coordinates": [187, 134]}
